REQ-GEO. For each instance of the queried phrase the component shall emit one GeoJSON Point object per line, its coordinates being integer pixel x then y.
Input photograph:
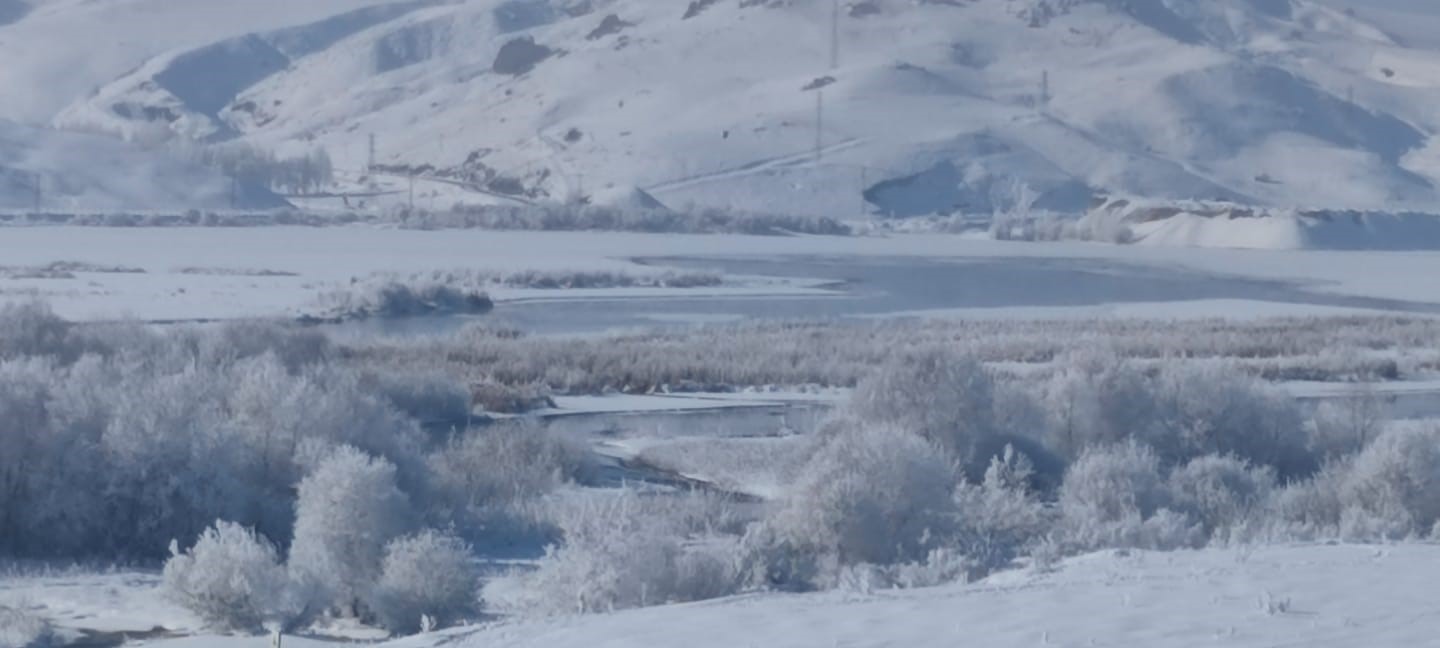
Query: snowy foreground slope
{"type": "Point", "coordinates": [930, 106]}
{"type": "Point", "coordinates": [1281, 596]}
{"type": "Point", "coordinates": [1311, 596]}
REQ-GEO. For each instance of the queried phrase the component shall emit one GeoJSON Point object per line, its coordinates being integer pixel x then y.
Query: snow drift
{"type": "Point", "coordinates": [1230, 225]}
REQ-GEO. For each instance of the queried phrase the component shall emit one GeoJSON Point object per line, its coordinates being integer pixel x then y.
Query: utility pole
{"type": "Point", "coordinates": [412, 191]}
{"type": "Point", "coordinates": [370, 161]}
{"type": "Point", "coordinates": [819, 124]}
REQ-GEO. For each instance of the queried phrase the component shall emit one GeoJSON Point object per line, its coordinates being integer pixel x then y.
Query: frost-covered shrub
{"type": "Point", "coordinates": [871, 494]}
{"type": "Point", "coordinates": [1107, 483]}
{"type": "Point", "coordinates": [347, 510]}
{"type": "Point", "coordinates": [1309, 509]}
{"type": "Point", "coordinates": [1182, 409]}
{"type": "Point", "coordinates": [30, 328]}
{"type": "Point", "coordinates": [1207, 408]}
{"type": "Point", "coordinates": [426, 396]}
{"type": "Point", "coordinates": [397, 299]}
{"type": "Point", "coordinates": [429, 574]}
{"type": "Point", "coordinates": [944, 397]}
{"type": "Point", "coordinates": [1001, 517]}
{"type": "Point", "coordinates": [295, 347]}
{"type": "Point", "coordinates": [482, 480]}
{"type": "Point", "coordinates": [771, 561]}
{"type": "Point", "coordinates": [1095, 399]}
{"type": "Point", "coordinates": [625, 550]}
{"type": "Point", "coordinates": [1393, 488]}
{"type": "Point", "coordinates": [233, 580]}
{"type": "Point", "coordinates": [1116, 497]}
{"type": "Point", "coordinates": [22, 629]}
{"type": "Point", "coordinates": [1346, 425]}
{"type": "Point", "coordinates": [1225, 494]}
{"type": "Point", "coordinates": [501, 398]}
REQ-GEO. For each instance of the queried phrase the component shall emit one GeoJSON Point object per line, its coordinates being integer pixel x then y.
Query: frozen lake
{"type": "Point", "coordinates": [899, 286]}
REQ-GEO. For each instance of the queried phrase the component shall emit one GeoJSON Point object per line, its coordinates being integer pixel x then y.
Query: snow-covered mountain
{"type": "Point", "coordinates": [892, 106]}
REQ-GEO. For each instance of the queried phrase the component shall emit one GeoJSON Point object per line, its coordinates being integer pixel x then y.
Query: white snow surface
{"type": "Point", "coordinates": [933, 106]}
{"type": "Point", "coordinates": [1335, 595]}
{"type": "Point", "coordinates": [1320, 596]}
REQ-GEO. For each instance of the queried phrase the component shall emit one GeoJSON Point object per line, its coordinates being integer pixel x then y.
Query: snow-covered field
{"type": "Point", "coordinates": [1282, 596]}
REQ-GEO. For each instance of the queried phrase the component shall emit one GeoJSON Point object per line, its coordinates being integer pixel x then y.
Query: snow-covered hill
{"type": "Point", "coordinates": [930, 105]}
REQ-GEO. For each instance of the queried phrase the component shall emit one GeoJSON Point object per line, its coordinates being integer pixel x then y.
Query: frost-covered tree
{"type": "Point", "coordinates": [872, 494]}
{"type": "Point", "coordinates": [945, 397]}
{"type": "Point", "coordinates": [233, 580]}
{"type": "Point", "coordinates": [999, 518]}
{"type": "Point", "coordinates": [628, 549]}
{"type": "Point", "coordinates": [426, 579]}
{"type": "Point", "coordinates": [1346, 425]}
{"type": "Point", "coordinates": [1393, 488]}
{"type": "Point", "coordinates": [1116, 496]}
{"type": "Point", "coordinates": [1226, 494]}
{"type": "Point", "coordinates": [1208, 408]}
{"type": "Point", "coordinates": [483, 479]}
{"type": "Point", "coordinates": [347, 510]}
{"type": "Point", "coordinates": [1094, 399]}
{"type": "Point", "coordinates": [30, 328]}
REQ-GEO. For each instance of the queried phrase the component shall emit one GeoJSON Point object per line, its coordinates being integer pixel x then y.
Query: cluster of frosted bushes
{"type": "Point", "coordinates": [288, 479]}
{"type": "Point", "coordinates": [402, 299]}
{"type": "Point", "coordinates": [941, 470]}
{"type": "Point", "coordinates": [294, 478]}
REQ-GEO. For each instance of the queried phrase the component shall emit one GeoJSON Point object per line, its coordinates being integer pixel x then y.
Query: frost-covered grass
{"type": "Point", "coordinates": [723, 357]}
{"type": "Point", "coordinates": [707, 220]}
{"type": "Point", "coordinates": [539, 217]}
